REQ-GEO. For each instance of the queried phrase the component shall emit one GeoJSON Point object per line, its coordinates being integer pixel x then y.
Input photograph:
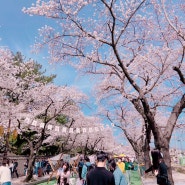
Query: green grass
{"type": "Point", "coordinates": [52, 182]}
{"type": "Point", "coordinates": [135, 178]}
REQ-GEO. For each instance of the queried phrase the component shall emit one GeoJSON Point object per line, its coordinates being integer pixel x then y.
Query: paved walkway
{"type": "Point", "coordinates": [19, 181]}
{"type": "Point", "coordinates": [179, 179]}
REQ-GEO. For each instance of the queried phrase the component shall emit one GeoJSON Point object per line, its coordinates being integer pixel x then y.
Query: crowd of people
{"type": "Point", "coordinates": [13, 165]}
{"type": "Point", "coordinates": [9, 169]}
{"type": "Point", "coordinates": [105, 170]}
{"type": "Point", "coordinates": [41, 167]}
{"type": "Point", "coordinates": [108, 170]}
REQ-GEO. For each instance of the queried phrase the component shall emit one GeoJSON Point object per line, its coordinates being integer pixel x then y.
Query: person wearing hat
{"type": "Point", "coordinates": [5, 174]}
{"type": "Point", "coordinates": [121, 165]}
{"type": "Point", "coordinates": [120, 178]}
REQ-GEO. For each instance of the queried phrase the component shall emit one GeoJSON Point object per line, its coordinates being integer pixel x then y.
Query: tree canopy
{"type": "Point", "coordinates": [135, 47]}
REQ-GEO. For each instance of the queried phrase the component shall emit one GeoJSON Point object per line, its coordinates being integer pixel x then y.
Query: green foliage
{"type": "Point", "coordinates": [12, 140]}
{"type": "Point", "coordinates": [41, 117]}
{"type": "Point", "coordinates": [49, 150]}
{"type": "Point", "coordinates": [32, 70]}
{"type": "Point", "coordinates": [62, 119]}
{"type": "Point", "coordinates": [20, 145]}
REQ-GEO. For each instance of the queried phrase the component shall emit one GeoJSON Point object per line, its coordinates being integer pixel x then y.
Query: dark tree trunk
{"type": "Point", "coordinates": [146, 147]}
{"type": "Point", "coordinates": [7, 147]}
{"type": "Point", "coordinates": [138, 149]}
{"type": "Point", "coordinates": [162, 143]}
{"type": "Point", "coordinates": [146, 150]}
{"type": "Point", "coordinates": [166, 154]}
{"type": "Point", "coordinates": [139, 157]}
{"type": "Point", "coordinates": [32, 157]}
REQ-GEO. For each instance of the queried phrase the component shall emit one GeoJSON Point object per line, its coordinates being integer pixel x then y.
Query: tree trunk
{"type": "Point", "coordinates": [139, 157]}
{"type": "Point", "coordinates": [162, 143]}
{"type": "Point", "coordinates": [7, 147]}
{"type": "Point", "coordinates": [146, 147]}
{"type": "Point", "coordinates": [31, 163]}
{"type": "Point", "coordinates": [146, 150]}
{"type": "Point", "coordinates": [166, 153]}
{"type": "Point", "coordinates": [138, 149]}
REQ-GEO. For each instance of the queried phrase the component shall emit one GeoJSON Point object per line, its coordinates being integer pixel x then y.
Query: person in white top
{"type": "Point", "coordinates": [11, 168]}
{"type": "Point", "coordinates": [5, 174]}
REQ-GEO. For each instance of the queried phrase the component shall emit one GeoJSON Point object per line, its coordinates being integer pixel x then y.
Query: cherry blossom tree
{"type": "Point", "coordinates": [94, 135]}
{"type": "Point", "coordinates": [39, 111]}
{"type": "Point", "coordinates": [132, 49]}
{"type": "Point", "coordinates": [45, 105]}
{"type": "Point", "coordinates": [9, 87]}
{"type": "Point", "coordinates": [174, 15]}
{"type": "Point", "coordinates": [133, 127]}
{"type": "Point", "coordinates": [25, 96]}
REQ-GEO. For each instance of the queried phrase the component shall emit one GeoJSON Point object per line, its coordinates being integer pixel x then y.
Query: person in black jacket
{"type": "Point", "coordinates": [156, 155]}
{"type": "Point", "coordinates": [100, 175]}
{"type": "Point", "coordinates": [162, 173]}
{"type": "Point", "coordinates": [15, 165]}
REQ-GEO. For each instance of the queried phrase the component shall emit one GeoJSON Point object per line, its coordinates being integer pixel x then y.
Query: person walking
{"type": "Point", "coordinates": [80, 166]}
{"type": "Point", "coordinates": [121, 165]}
{"type": "Point", "coordinates": [37, 166]}
{"type": "Point", "coordinates": [15, 165]}
{"type": "Point", "coordinates": [85, 168]}
{"type": "Point", "coordinates": [119, 177]}
{"type": "Point", "coordinates": [5, 174]}
{"type": "Point", "coordinates": [162, 173]}
{"type": "Point", "coordinates": [11, 168]}
{"type": "Point", "coordinates": [26, 166]}
{"type": "Point", "coordinates": [100, 175]}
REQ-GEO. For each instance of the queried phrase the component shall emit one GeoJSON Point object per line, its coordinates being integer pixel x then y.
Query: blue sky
{"type": "Point", "coordinates": [18, 32]}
